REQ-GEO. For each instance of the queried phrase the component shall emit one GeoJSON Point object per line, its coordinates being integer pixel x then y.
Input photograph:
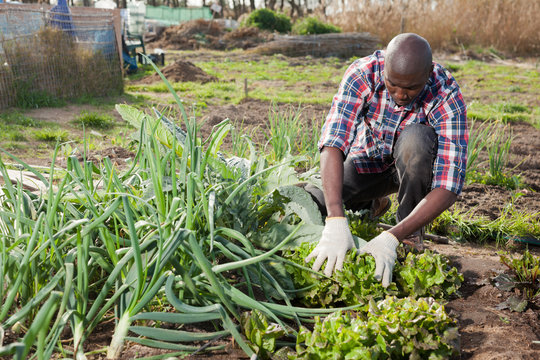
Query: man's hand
{"type": "Point", "coordinates": [383, 249]}
{"type": "Point", "coordinates": [335, 241]}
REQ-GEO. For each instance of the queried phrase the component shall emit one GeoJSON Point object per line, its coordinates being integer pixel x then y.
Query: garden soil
{"type": "Point", "coordinates": [486, 332]}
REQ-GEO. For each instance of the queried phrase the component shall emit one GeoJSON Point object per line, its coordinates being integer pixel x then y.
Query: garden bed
{"type": "Point", "coordinates": [486, 331]}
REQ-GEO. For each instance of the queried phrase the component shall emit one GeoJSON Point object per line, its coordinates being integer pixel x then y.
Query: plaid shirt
{"type": "Point", "coordinates": [364, 121]}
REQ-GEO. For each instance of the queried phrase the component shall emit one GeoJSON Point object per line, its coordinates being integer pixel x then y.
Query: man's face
{"type": "Point", "coordinates": [404, 88]}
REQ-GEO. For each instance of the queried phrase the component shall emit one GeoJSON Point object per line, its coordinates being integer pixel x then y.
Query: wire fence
{"type": "Point", "coordinates": [46, 55]}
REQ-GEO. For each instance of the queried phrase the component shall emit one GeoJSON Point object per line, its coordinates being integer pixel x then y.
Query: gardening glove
{"type": "Point", "coordinates": [335, 241]}
{"type": "Point", "coordinates": [383, 249]}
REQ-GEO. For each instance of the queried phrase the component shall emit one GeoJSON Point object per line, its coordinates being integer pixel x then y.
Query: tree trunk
{"type": "Point", "coordinates": [295, 8]}
{"type": "Point", "coordinates": [271, 4]}
{"type": "Point", "coordinates": [252, 4]}
{"type": "Point", "coordinates": [236, 9]}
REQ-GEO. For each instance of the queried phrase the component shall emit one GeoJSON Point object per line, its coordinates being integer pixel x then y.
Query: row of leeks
{"type": "Point", "coordinates": [182, 236]}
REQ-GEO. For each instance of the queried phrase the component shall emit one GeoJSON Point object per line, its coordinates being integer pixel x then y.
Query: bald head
{"type": "Point", "coordinates": [408, 54]}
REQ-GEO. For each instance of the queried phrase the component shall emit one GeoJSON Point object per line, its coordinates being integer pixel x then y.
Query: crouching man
{"type": "Point", "coordinates": [397, 124]}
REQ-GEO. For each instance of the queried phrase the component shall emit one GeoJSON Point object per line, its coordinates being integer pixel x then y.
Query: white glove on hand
{"type": "Point", "coordinates": [383, 249]}
{"type": "Point", "coordinates": [335, 241]}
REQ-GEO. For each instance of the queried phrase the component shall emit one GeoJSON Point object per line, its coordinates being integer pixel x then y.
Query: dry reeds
{"type": "Point", "coordinates": [51, 62]}
{"type": "Point", "coordinates": [510, 26]}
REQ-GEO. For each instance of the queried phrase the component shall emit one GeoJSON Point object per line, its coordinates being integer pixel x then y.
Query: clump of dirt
{"type": "Point", "coordinates": [180, 71]}
{"type": "Point", "coordinates": [206, 34]}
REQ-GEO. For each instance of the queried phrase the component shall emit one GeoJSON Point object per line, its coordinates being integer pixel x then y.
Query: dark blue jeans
{"type": "Point", "coordinates": [410, 175]}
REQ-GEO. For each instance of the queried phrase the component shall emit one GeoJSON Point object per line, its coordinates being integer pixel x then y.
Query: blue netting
{"type": "Point", "coordinates": [61, 17]}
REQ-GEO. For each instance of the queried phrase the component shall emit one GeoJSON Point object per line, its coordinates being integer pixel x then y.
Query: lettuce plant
{"type": "Point", "coordinates": [355, 284]}
{"type": "Point", "coordinates": [419, 275]}
{"type": "Point", "coordinates": [427, 274]}
{"type": "Point", "coordinates": [261, 334]}
{"type": "Point", "coordinates": [392, 329]}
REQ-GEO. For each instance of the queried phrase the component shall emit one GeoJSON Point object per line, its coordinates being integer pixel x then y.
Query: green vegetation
{"type": "Point", "coordinates": [522, 279]}
{"type": "Point", "coordinates": [312, 25]}
{"type": "Point", "coordinates": [94, 120]}
{"type": "Point", "coordinates": [17, 119]}
{"type": "Point", "coordinates": [270, 80]}
{"type": "Point", "coordinates": [504, 112]}
{"type": "Point", "coordinates": [266, 19]}
{"type": "Point", "coordinates": [51, 135]}
{"type": "Point", "coordinates": [495, 139]}
{"type": "Point", "coordinates": [487, 86]}
{"type": "Point", "coordinates": [511, 224]}
{"type": "Point", "coordinates": [393, 329]}
{"type": "Point", "coordinates": [417, 276]}
{"type": "Point", "coordinates": [525, 274]}
{"type": "Point", "coordinates": [288, 135]}
{"type": "Point", "coordinates": [29, 98]}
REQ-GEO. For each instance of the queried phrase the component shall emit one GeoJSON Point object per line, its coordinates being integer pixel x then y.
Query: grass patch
{"type": "Point", "coordinates": [142, 71]}
{"type": "Point", "coordinates": [28, 98]}
{"type": "Point", "coordinates": [16, 118]}
{"type": "Point", "coordinates": [462, 226]}
{"type": "Point", "coordinates": [94, 120]}
{"type": "Point", "coordinates": [15, 135]}
{"type": "Point", "coordinates": [504, 111]}
{"type": "Point", "coordinates": [51, 135]}
{"type": "Point", "coordinates": [510, 182]}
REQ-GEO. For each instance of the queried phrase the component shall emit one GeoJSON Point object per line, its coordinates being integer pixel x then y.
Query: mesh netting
{"type": "Point", "coordinates": [56, 54]}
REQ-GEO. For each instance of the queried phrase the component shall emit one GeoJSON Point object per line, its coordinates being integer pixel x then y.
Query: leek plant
{"type": "Point", "coordinates": [183, 227]}
{"type": "Point", "coordinates": [289, 134]}
{"type": "Point", "coordinates": [496, 141]}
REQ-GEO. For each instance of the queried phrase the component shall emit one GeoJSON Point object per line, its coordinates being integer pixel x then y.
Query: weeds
{"type": "Point", "coordinates": [499, 150]}
{"type": "Point", "coordinates": [505, 112]}
{"type": "Point", "coordinates": [16, 118]}
{"type": "Point", "coordinates": [526, 271]}
{"type": "Point", "coordinates": [289, 135]}
{"type": "Point", "coordinates": [496, 141]}
{"type": "Point", "coordinates": [510, 225]}
{"type": "Point", "coordinates": [477, 142]}
{"type": "Point", "coordinates": [51, 135]}
{"type": "Point", "coordinates": [94, 120]}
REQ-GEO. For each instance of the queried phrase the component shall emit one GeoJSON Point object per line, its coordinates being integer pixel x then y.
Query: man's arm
{"type": "Point", "coordinates": [336, 238]}
{"type": "Point", "coordinates": [332, 180]}
{"type": "Point", "coordinates": [435, 202]}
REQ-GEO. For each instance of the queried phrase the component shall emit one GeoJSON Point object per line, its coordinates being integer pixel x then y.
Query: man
{"type": "Point", "coordinates": [397, 124]}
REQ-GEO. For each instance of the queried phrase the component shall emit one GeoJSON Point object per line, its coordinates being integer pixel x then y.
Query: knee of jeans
{"type": "Point", "coordinates": [415, 150]}
{"type": "Point", "coordinates": [416, 145]}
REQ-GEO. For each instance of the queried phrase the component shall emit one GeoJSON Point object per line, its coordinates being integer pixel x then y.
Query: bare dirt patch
{"type": "Point", "coordinates": [253, 116]}
{"type": "Point", "coordinates": [486, 332]}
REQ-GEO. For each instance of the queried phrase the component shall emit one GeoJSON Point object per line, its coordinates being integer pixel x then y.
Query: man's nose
{"type": "Point", "coordinates": [401, 94]}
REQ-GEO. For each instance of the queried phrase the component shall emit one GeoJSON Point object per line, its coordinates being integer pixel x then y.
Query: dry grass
{"type": "Point", "coordinates": [509, 26]}
{"type": "Point", "coordinates": [50, 62]}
